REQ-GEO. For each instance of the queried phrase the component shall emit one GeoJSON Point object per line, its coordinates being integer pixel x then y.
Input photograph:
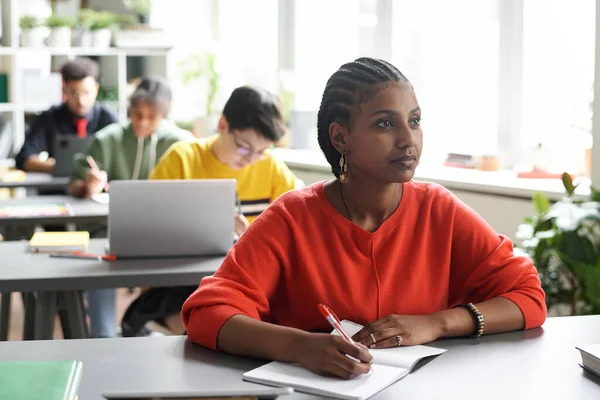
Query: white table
{"type": "Point", "coordinates": [61, 280]}
{"type": "Point", "coordinates": [536, 364]}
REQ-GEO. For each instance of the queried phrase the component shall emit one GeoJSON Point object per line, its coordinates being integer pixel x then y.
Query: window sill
{"type": "Point", "coordinates": [500, 183]}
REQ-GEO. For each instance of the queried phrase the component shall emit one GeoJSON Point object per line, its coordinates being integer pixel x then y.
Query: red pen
{"type": "Point", "coordinates": [85, 256]}
{"type": "Point", "coordinates": [334, 321]}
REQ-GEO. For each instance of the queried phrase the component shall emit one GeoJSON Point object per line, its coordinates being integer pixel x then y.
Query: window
{"type": "Point", "coordinates": [248, 43]}
{"type": "Point", "coordinates": [190, 26]}
{"type": "Point", "coordinates": [511, 78]}
{"type": "Point", "coordinates": [322, 44]}
{"type": "Point", "coordinates": [493, 77]}
{"type": "Point", "coordinates": [449, 51]}
{"type": "Point", "coordinates": [558, 80]}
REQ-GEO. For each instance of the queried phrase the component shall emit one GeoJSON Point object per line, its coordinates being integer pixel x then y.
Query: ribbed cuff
{"type": "Point", "coordinates": [204, 323]}
{"type": "Point", "coordinates": [534, 313]}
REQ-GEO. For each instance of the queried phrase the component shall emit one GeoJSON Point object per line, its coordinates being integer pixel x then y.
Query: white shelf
{"type": "Point", "coordinates": [90, 51]}
{"type": "Point", "coordinates": [36, 108]}
{"type": "Point", "coordinates": [75, 51]}
{"type": "Point", "coordinates": [15, 58]}
{"type": "Point", "coordinates": [144, 52]}
{"type": "Point", "coordinates": [7, 107]}
{"type": "Point", "coordinates": [5, 50]}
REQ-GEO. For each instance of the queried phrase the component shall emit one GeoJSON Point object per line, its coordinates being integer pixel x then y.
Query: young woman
{"type": "Point", "coordinates": [131, 150]}
{"type": "Point", "coordinates": [125, 151]}
{"type": "Point", "coordinates": [406, 259]}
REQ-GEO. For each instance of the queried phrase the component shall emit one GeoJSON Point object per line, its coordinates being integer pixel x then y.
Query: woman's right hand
{"type": "Point", "coordinates": [327, 354]}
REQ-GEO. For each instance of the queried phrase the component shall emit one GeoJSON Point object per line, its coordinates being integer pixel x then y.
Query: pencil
{"type": "Point", "coordinates": [84, 256]}
{"type": "Point", "coordinates": [95, 168]}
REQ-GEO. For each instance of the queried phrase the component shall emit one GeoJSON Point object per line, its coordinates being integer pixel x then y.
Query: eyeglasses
{"type": "Point", "coordinates": [247, 151]}
{"type": "Point", "coordinates": [78, 95]}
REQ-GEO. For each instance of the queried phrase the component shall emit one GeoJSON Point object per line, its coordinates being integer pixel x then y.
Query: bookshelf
{"type": "Point", "coordinates": [113, 69]}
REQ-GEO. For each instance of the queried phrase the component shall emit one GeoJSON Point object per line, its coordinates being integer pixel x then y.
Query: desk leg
{"type": "Point", "coordinates": [18, 233]}
{"type": "Point", "coordinates": [73, 315]}
{"type": "Point", "coordinates": [45, 312]}
{"type": "Point", "coordinates": [29, 320]}
{"type": "Point", "coordinates": [4, 316]}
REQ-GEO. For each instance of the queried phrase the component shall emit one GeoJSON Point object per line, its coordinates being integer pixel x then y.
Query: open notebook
{"type": "Point", "coordinates": [389, 365]}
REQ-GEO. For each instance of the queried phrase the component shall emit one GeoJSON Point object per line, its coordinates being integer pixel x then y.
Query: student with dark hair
{"type": "Point", "coordinates": [124, 152]}
{"type": "Point", "coordinates": [130, 151]}
{"type": "Point", "coordinates": [406, 259]}
{"type": "Point", "coordinates": [250, 125]}
{"type": "Point", "coordinates": [79, 115]}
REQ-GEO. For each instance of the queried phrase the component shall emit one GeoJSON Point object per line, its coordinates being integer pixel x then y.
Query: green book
{"type": "Point", "coordinates": [33, 380]}
{"type": "Point", "coordinates": [3, 87]}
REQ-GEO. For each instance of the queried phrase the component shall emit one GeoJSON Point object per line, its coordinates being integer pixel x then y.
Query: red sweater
{"type": "Point", "coordinates": [432, 253]}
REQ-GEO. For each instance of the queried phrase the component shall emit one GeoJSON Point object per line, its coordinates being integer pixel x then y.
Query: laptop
{"type": "Point", "coordinates": [64, 149]}
{"type": "Point", "coordinates": [169, 218]}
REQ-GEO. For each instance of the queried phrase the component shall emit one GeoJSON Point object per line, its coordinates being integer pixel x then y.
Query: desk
{"type": "Point", "coordinates": [38, 180]}
{"type": "Point", "coordinates": [538, 364]}
{"type": "Point", "coordinates": [83, 211]}
{"type": "Point", "coordinates": [21, 271]}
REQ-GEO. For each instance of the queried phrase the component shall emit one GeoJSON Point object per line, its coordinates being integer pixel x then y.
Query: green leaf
{"type": "Point", "coordinates": [589, 279]}
{"type": "Point", "coordinates": [595, 195]}
{"type": "Point", "coordinates": [568, 184]}
{"type": "Point", "coordinates": [574, 249]}
{"type": "Point", "coordinates": [541, 204]}
{"type": "Point", "coordinates": [58, 21]}
{"type": "Point", "coordinates": [27, 22]}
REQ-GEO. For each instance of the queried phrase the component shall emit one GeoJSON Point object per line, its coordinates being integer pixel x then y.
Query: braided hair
{"type": "Point", "coordinates": [353, 84]}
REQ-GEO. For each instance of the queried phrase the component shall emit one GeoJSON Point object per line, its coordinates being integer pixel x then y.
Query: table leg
{"type": "Point", "coordinates": [13, 233]}
{"type": "Point", "coordinates": [74, 315]}
{"type": "Point", "coordinates": [45, 312]}
{"type": "Point", "coordinates": [64, 321]}
{"type": "Point", "coordinates": [29, 319]}
{"type": "Point", "coordinates": [4, 316]}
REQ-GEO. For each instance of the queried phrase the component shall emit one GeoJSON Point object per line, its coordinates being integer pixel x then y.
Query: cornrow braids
{"type": "Point", "coordinates": [353, 84]}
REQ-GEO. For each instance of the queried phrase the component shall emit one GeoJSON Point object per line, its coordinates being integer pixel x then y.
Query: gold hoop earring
{"type": "Point", "coordinates": [343, 169]}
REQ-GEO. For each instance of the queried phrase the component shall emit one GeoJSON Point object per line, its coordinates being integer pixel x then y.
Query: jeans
{"type": "Point", "coordinates": [102, 311]}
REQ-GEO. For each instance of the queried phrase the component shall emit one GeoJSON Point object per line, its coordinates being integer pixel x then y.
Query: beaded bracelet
{"type": "Point", "coordinates": [479, 321]}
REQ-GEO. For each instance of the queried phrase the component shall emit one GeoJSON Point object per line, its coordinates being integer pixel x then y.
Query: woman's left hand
{"type": "Point", "coordinates": [413, 329]}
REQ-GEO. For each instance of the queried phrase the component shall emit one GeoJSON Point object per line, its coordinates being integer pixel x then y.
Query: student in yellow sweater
{"type": "Point", "coordinates": [250, 125]}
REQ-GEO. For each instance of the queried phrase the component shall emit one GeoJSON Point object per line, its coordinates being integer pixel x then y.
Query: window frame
{"type": "Point", "coordinates": [510, 70]}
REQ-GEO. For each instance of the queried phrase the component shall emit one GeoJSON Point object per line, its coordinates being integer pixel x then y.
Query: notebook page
{"type": "Point", "coordinates": [302, 380]}
{"type": "Point", "coordinates": [403, 357]}
{"type": "Point", "coordinates": [102, 198]}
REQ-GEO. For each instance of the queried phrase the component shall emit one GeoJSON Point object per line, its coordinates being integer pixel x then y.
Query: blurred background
{"type": "Point", "coordinates": [503, 84]}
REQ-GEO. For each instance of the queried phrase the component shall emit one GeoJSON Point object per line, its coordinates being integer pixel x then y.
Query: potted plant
{"type": "Point", "coordinates": [563, 240]}
{"type": "Point", "coordinates": [101, 26]}
{"type": "Point", "coordinates": [32, 32]}
{"type": "Point", "coordinates": [141, 8]}
{"type": "Point", "coordinates": [85, 19]}
{"type": "Point", "coordinates": [202, 68]}
{"type": "Point", "coordinates": [60, 30]}
{"type": "Point", "coordinates": [109, 97]}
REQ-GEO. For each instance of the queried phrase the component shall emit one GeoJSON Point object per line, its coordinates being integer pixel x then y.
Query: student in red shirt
{"type": "Point", "coordinates": [406, 259]}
